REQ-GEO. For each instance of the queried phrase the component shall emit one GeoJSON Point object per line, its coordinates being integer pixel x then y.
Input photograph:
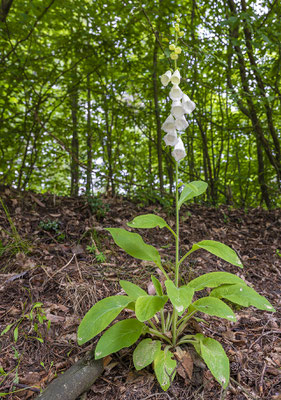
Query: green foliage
{"type": "Point", "coordinates": [145, 353]}
{"type": "Point", "coordinates": [134, 245]}
{"type": "Point", "coordinates": [38, 117]}
{"type": "Point", "coordinates": [36, 316]}
{"type": "Point", "coordinates": [97, 206]}
{"type": "Point", "coordinates": [122, 334]}
{"type": "Point", "coordinates": [50, 225]}
{"type": "Point", "coordinates": [191, 190]}
{"type": "Point", "coordinates": [100, 316]}
{"type": "Point", "coordinates": [15, 244]}
{"type": "Point", "coordinates": [219, 250]}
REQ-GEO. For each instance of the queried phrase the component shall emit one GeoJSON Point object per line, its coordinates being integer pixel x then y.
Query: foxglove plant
{"type": "Point", "coordinates": [162, 320]}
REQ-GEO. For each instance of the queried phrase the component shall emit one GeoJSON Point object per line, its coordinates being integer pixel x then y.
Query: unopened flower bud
{"type": "Point", "coordinates": [177, 50]}
{"type": "Point", "coordinates": [177, 27]}
{"type": "Point", "coordinates": [178, 19]}
{"type": "Point", "coordinates": [181, 34]}
{"type": "Point", "coordinates": [174, 56]}
{"type": "Point", "coordinates": [172, 47]}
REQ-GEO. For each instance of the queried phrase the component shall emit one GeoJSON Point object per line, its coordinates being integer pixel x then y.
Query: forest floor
{"type": "Point", "coordinates": [44, 259]}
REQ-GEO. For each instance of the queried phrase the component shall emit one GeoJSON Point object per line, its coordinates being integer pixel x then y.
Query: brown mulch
{"type": "Point", "coordinates": [44, 259]}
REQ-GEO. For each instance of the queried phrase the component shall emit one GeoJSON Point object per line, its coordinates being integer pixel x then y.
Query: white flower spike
{"type": "Point", "coordinates": [169, 124]}
{"type": "Point", "coordinates": [181, 123]}
{"type": "Point", "coordinates": [171, 138]}
{"type": "Point", "coordinates": [179, 152]}
{"type": "Point", "coordinates": [176, 77]}
{"type": "Point", "coordinates": [165, 78]}
{"type": "Point", "coordinates": [177, 109]}
{"type": "Point", "coordinates": [175, 93]}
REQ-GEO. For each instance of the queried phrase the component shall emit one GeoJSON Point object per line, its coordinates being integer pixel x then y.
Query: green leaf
{"type": "Point", "coordinates": [180, 297]}
{"type": "Point", "coordinates": [243, 295]}
{"type": "Point", "coordinates": [192, 189]}
{"type": "Point", "coordinates": [122, 334]}
{"type": "Point", "coordinates": [214, 306]}
{"type": "Point", "coordinates": [219, 249]}
{"type": "Point", "coordinates": [132, 290]}
{"type": "Point", "coordinates": [134, 245]}
{"type": "Point", "coordinates": [214, 279]}
{"type": "Point", "coordinates": [148, 306]}
{"type": "Point", "coordinates": [145, 353]}
{"type": "Point", "coordinates": [214, 356]}
{"type": "Point", "coordinates": [16, 333]}
{"type": "Point", "coordinates": [147, 221]}
{"type": "Point", "coordinates": [157, 285]}
{"type": "Point", "coordinates": [8, 327]}
{"type": "Point", "coordinates": [164, 367]}
{"type": "Point", "coordinates": [100, 316]}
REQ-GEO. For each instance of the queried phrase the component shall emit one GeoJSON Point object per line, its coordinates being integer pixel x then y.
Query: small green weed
{"type": "Point", "coordinates": [97, 206]}
{"type": "Point", "coordinates": [36, 316]}
{"type": "Point", "coordinates": [53, 227]}
{"type": "Point", "coordinates": [49, 225]}
{"type": "Point", "coordinates": [15, 244]}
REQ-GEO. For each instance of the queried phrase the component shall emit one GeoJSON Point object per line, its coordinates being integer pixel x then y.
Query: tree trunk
{"type": "Point", "coordinates": [4, 10]}
{"type": "Point", "coordinates": [89, 140]}
{"type": "Point", "coordinates": [74, 167]}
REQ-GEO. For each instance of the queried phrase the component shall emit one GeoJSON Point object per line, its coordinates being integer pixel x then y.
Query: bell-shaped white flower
{"type": "Point", "coordinates": [165, 78]}
{"type": "Point", "coordinates": [179, 152]}
{"type": "Point", "coordinates": [175, 93]}
{"type": "Point", "coordinates": [176, 78]}
{"type": "Point", "coordinates": [181, 123]}
{"type": "Point", "coordinates": [169, 124]}
{"type": "Point", "coordinates": [187, 104]}
{"type": "Point", "coordinates": [171, 138]}
{"type": "Point", "coordinates": [177, 109]}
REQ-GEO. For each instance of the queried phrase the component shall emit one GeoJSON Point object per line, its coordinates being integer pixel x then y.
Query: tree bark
{"type": "Point", "coordinates": [4, 10]}
{"type": "Point", "coordinates": [89, 140]}
{"type": "Point", "coordinates": [74, 145]}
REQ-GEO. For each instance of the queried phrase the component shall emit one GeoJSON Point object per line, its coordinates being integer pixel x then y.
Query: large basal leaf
{"type": "Point", "coordinates": [214, 306]}
{"type": "Point", "coordinates": [147, 221]}
{"type": "Point", "coordinates": [145, 353]}
{"type": "Point", "coordinates": [218, 249]}
{"type": "Point", "coordinates": [147, 306]}
{"type": "Point", "coordinates": [191, 190]}
{"type": "Point", "coordinates": [180, 297]}
{"type": "Point", "coordinates": [165, 368]}
{"type": "Point", "coordinates": [100, 316]}
{"type": "Point", "coordinates": [242, 295]}
{"type": "Point", "coordinates": [134, 245]}
{"type": "Point", "coordinates": [122, 334]}
{"type": "Point", "coordinates": [214, 279]}
{"type": "Point", "coordinates": [215, 358]}
{"type": "Point", "coordinates": [132, 290]}
{"type": "Point", "coordinates": [157, 286]}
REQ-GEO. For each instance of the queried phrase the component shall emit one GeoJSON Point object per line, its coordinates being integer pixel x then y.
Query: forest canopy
{"type": "Point", "coordinates": [81, 101]}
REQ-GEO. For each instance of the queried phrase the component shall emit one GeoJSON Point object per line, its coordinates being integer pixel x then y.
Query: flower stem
{"type": "Point", "coordinates": [177, 228]}
{"type": "Point", "coordinates": [159, 334]}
